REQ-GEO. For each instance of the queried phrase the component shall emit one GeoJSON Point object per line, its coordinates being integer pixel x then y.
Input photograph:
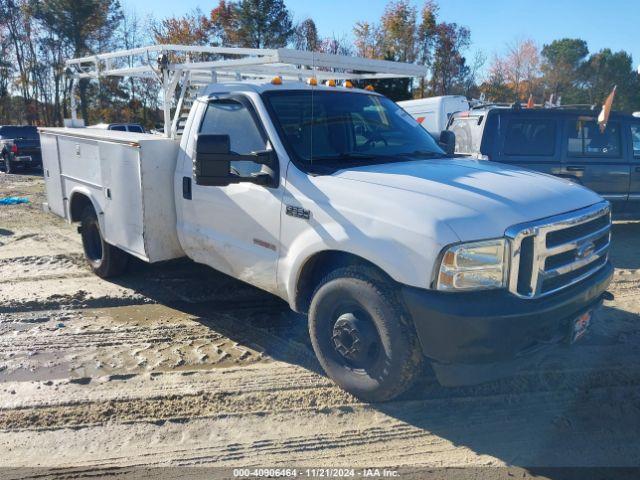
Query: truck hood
{"type": "Point", "coordinates": [476, 198]}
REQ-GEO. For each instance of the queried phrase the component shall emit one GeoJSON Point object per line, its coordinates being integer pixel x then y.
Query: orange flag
{"type": "Point", "coordinates": [603, 118]}
{"type": "Point", "coordinates": [530, 103]}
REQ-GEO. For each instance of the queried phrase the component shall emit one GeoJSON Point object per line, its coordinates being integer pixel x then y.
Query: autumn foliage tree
{"type": "Point", "coordinates": [515, 76]}
{"type": "Point", "coordinates": [405, 34]}
{"type": "Point", "coordinates": [190, 29]}
{"type": "Point", "coordinates": [449, 64]}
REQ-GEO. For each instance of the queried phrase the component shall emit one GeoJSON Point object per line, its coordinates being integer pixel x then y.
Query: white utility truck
{"type": "Point", "coordinates": [338, 201]}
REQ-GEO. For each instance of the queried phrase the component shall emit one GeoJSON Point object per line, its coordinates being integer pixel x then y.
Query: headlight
{"type": "Point", "coordinates": [474, 266]}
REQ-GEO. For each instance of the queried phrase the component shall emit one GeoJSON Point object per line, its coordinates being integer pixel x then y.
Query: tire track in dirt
{"type": "Point", "coordinates": [559, 371]}
{"type": "Point", "coordinates": [426, 431]}
{"type": "Point", "coordinates": [626, 284]}
{"type": "Point", "coordinates": [125, 341]}
{"type": "Point", "coordinates": [236, 394]}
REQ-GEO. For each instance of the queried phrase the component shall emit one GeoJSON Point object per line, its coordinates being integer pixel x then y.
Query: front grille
{"type": "Point", "coordinates": [554, 253]}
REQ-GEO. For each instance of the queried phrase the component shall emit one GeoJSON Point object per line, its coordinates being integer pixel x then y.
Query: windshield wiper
{"type": "Point", "coordinates": [345, 156]}
{"type": "Point", "coordinates": [422, 153]}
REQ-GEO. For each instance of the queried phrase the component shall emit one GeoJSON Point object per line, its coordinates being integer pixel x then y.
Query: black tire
{"type": "Point", "coordinates": [104, 259]}
{"type": "Point", "coordinates": [356, 312]}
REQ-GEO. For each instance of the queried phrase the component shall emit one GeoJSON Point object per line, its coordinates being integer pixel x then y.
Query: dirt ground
{"type": "Point", "coordinates": [177, 365]}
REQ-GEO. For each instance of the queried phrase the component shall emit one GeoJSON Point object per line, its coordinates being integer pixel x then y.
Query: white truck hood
{"type": "Point", "coordinates": [477, 198]}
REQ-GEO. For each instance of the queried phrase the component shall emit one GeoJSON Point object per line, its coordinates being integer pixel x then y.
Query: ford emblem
{"type": "Point", "coordinates": [585, 250]}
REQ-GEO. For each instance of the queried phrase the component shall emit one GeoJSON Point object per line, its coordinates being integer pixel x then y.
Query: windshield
{"type": "Point", "coordinates": [19, 132]}
{"type": "Point", "coordinates": [344, 127]}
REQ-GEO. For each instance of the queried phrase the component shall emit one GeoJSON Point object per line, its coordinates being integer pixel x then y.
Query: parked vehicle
{"type": "Point", "coordinates": [339, 202]}
{"type": "Point", "coordinates": [433, 113]}
{"type": "Point", "coordinates": [567, 143]}
{"type": "Point", "coordinates": [20, 147]}
{"type": "Point", "coordinates": [120, 127]}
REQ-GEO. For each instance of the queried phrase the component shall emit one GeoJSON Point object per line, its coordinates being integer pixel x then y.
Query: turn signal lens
{"type": "Point", "coordinates": [330, 83]}
{"type": "Point", "coordinates": [348, 84]}
{"type": "Point", "coordinates": [369, 88]}
{"type": "Point", "coordinates": [276, 81]}
{"type": "Point", "coordinates": [313, 81]}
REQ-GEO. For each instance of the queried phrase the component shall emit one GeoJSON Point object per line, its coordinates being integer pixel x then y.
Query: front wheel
{"type": "Point", "coordinates": [104, 259]}
{"type": "Point", "coordinates": [362, 336]}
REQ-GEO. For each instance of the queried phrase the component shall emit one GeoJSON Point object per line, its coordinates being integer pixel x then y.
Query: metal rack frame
{"type": "Point", "coordinates": [171, 64]}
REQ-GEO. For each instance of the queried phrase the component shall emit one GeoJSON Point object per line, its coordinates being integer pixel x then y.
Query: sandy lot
{"type": "Point", "coordinates": [177, 365]}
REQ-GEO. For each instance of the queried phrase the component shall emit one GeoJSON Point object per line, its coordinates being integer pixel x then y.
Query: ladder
{"type": "Point", "coordinates": [194, 67]}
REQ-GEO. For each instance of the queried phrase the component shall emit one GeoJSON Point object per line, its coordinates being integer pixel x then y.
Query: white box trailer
{"type": "Point", "coordinates": [433, 113]}
{"type": "Point", "coordinates": [127, 177]}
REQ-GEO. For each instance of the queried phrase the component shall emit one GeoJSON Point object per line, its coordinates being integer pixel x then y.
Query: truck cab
{"type": "Point", "coordinates": [338, 201]}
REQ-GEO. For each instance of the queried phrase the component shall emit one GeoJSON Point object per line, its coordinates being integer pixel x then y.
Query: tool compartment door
{"type": "Point", "coordinates": [122, 197]}
{"type": "Point", "coordinates": [51, 171]}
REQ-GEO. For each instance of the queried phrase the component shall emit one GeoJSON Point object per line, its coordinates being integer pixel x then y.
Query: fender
{"type": "Point", "coordinates": [405, 265]}
{"type": "Point", "coordinates": [86, 192]}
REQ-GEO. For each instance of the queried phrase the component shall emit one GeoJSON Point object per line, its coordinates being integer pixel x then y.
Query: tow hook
{"type": "Point", "coordinates": [608, 296]}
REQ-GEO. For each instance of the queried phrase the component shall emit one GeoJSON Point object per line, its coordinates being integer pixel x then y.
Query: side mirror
{"type": "Point", "coordinates": [212, 163]}
{"type": "Point", "coordinates": [448, 141]}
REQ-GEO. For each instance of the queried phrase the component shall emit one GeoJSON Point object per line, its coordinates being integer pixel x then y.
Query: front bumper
{"type": "Point", "coordinates": [492, 326]}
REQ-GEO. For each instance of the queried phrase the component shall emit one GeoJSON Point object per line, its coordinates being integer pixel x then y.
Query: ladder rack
{"type": "Point", "coordinates": [198, 66]}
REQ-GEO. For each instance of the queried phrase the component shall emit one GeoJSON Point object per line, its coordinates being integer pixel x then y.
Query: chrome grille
{"type": "Point", "coordinates": [556, 252]}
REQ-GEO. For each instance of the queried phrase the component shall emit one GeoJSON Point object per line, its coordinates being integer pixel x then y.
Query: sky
{"type": "Point", "coordinates": [494, 23]}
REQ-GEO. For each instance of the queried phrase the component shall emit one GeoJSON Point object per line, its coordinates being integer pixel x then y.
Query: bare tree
{"type": "Point", "coordinates": [366, 40]}
{"type": "Point", "coordinates": [305, 36]}
{"type": "Point", "coordinates": [522, 65]}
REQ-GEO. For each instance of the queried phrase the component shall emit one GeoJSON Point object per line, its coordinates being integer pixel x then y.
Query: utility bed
{"type": "Point", "coordinates": [128, 175]}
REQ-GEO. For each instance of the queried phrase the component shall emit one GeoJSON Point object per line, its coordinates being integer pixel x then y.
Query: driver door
{"type": "Point", "coordinates": [235, 228]}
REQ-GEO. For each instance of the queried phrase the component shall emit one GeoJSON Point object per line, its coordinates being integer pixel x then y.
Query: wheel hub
{"type": "Point", "coordinates": [354, 339]}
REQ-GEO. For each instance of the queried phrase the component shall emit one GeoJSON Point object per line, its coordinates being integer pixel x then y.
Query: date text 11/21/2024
{"type": "Point", "coordinates": [315, 472]}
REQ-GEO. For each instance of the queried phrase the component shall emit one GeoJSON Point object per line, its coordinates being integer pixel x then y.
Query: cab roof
{"type": "Point", "coordinates": [261, 86]}
{"type": "Point", "coordinates": [545, 112]}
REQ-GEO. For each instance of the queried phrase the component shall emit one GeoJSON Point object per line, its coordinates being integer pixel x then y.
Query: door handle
{"type": "Point", "coordinates": [186, 188]}
{"type": "Point", "coordinates": [574, 168]}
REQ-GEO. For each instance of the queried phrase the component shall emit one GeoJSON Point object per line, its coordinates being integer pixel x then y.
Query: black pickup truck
{"type": "Point", "coordinates": [19, 147]}
{"type": "Point", "coordinates": [565, 142]}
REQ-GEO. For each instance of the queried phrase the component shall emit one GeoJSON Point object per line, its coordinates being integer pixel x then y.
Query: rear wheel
{"type": "Point", "coordinates": [105, 259]}
{"type": "Point", "coordinates": [362, 336]}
